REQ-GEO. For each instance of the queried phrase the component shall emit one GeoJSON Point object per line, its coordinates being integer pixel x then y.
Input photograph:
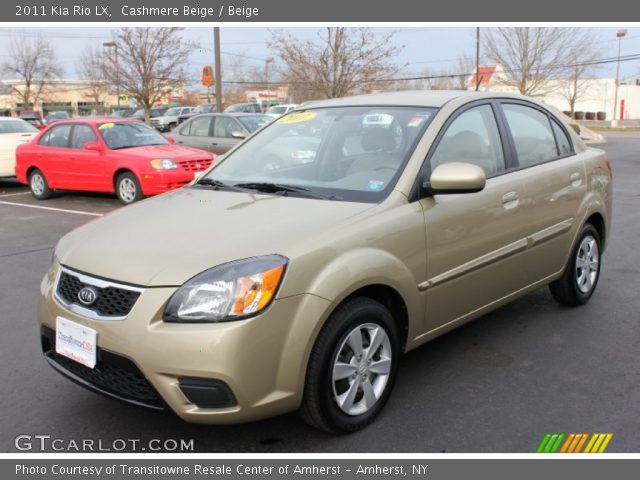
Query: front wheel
{"type": "Point", "coordinates": [580, 277]}
{"type": "Point", "coordinates": [352, 367]}
{"type": "Point", "coordinates": [128, 188]}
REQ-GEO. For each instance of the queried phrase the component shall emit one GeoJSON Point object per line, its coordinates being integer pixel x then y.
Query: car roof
{"type": "Point", "coordinates": [93, 120]}
{"type": "Point", "coordinates": [4, 119]}
{"type": "Point", "coordinates": [417, 98]}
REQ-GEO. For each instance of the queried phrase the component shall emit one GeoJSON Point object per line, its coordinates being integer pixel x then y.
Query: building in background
{"type": "Point", "coordinates": [596, 95]}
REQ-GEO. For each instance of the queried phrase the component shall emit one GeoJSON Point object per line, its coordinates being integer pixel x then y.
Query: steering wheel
{"type": "Point", "coordinates": [386, 166]}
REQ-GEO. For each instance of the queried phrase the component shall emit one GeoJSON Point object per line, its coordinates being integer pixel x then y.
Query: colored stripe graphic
{"type": "Point", "coordinates": [574, 442]}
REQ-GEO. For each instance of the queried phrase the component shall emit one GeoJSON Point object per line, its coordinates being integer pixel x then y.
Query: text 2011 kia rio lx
{"type": "Point", "coordinates": [294, 273]}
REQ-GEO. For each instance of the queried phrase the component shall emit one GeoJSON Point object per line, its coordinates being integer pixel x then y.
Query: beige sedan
{"type": "Point", "coordinates": [297, 284]}
{"type": "Point", "coordinates": [13, 132]}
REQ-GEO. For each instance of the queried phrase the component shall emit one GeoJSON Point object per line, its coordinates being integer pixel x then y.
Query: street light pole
{"type": "Point", "coordinates": [115, 47]}
{"type": "Point", "coordinates": [266, 75]}
{"type": "Point", "coordinates": [620, 34]}
{"type": "Point", "coordinates": [216, 47]}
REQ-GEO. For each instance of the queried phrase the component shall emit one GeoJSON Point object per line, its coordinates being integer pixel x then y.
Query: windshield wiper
{"type": "Point", "coordinates": [267, 187]}
{"type": "Point", "coordinates": [217, 185]}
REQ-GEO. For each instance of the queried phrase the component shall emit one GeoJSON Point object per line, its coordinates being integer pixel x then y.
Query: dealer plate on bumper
{"type": "Point", "coordinates": [76, 342]}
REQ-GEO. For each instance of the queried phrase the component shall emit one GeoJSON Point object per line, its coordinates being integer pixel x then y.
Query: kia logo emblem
{"type": "Point", "coordinates": [87, 295]}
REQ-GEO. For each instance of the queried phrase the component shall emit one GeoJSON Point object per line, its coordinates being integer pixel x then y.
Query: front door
{"type": "Point", "coordinates": [475, 241]}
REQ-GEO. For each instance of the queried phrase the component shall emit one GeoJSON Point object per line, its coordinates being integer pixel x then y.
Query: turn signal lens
{"type": "Point", "coordinates": [253, 293]}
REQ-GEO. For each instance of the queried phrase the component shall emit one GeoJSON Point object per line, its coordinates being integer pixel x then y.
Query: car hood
{"type": "Point", "coordinates": [174, 152]}
{"type": "Point", "coordinates": [167, 240]}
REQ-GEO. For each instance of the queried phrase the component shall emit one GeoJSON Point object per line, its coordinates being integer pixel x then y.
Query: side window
{"type": "Point", "coordinates": [81, 135]}
{"type": "Point", "coordinates": [532, 135]}
{"type": "Point", "coordinates": [473, 137]}
{"type": "Point", "coordinates": [45, 138]}
{"type": "Point", "coordinates": [198, 127]}
{"type": "Point", "coordinates": [564, 145]}
{"type": "Point", "coordinates": [224, 126]}
{"type": "Point", "coordinates": [59, 136]}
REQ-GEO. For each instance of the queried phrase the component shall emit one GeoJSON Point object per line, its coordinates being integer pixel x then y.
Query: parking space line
{"type": "Point", "coordinates": [13, 194]}
{"type": "Point", "coordinates": [77, 212]}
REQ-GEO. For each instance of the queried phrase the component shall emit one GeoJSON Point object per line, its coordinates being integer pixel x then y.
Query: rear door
{"type": "Point", "coordinates": [196, 133]}
{"type": "Point", "coordinates": [555, 185]}
{"type": "Point", "coordinates": [475, 241]}
{"type": "Point", "coordinates": [52, 156]}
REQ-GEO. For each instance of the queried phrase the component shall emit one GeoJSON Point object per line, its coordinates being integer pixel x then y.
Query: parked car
{"type": "Point", "coordinates": [24, 114]}
{"type": "Point", "coordinates": [218, 132]}
{"type": "Point", "coordinates": [169, 119]}
{"type": "Point", "coordinates": [206, 108]}
{"type": "Point", "coordinates": [278, 110]}
{"type": "Point", "coordinates": [13, 132]}
{"type": "Point", "coordinates": [53, 117]}
{"type": "Point", "coordinates": [244, 108]}
{"type": "Point", "coordinates": [38, 123]}
{"type": "Point", "coordinates": [106, 155]}
{"type": "Point", "coordinates": [154, 112]}
{"type": "Point", "coordinates": [124, 113]}
{"type": "Point", "coordinates": [254, 292]}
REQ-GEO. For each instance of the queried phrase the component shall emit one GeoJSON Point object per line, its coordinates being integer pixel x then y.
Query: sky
{"type": "Point", "coordinates": [423, 48]}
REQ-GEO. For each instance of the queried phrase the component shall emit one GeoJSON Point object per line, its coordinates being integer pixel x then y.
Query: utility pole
{"type": "Point", "coordinates": [216, 47]}
{"type": "Point", "coordinates": [477, 58]}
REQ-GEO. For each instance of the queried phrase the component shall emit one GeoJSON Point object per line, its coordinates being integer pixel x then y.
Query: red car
{"type": "Point", "coordinates": [106, 155]}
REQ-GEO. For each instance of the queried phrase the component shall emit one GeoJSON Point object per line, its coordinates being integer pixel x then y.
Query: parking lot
{"type": "Point", "coordinates": [498, 384]}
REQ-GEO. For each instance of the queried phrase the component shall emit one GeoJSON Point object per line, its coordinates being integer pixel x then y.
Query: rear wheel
{"type": "Point", "coordinates": [39, 186]}
{"type": "Point", "coordinates": [128, 188]}
{"type": "Point", "coordinates": [580, 277]}
{"type": "Point", "coordinates": [352, 367]}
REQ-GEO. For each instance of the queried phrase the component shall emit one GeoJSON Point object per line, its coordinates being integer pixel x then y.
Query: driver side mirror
{"type": "Point", "coordinates": [456, 178]}
{"type": "Point", "coordinates": [238, 134]}
{"type": "Point", "coordinates": [93, 146]}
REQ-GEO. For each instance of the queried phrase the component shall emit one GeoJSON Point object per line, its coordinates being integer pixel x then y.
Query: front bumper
{"type": "Point", "coordinates": [262, 361]}
{"type": "Point", "coordinates": [155, 182]}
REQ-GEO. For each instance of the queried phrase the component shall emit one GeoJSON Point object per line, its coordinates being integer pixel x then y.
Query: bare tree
{"type": "Point", "coordinates": [151, 63]}
{"type": "Point", "coordinates": [340, 61]}
{"type": "Point", "coordinates": [465, 69]}
{"type": "Point", "coordinates": [33, 62]}
{"type": "Point", "coordinates": [578, 79]}
{"type": "Point", "coordinates": [531, 56]}
{"type": "Point", "coordinates": [90, 68]}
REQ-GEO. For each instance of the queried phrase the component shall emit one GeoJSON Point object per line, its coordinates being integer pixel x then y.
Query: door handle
{"type": "Point", "coordinates": [510, 200]}
{"type": "Point", "coordinates": [575, 179]}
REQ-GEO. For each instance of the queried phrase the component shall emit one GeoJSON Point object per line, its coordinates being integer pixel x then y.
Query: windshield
{"type": "Point", "coordinates": [16, 126]}
{"type": "Point", "coordinates": [131, 134]}
{"type": "Point", "coordinates": [254, 122]}
{"type": "Point", "coordinates": [239, 107]}
{"type": "Point", "coordinates": [345, 153]}
{"type": "Point", "coordinates": [172, 112]}
{"type": "Point", "coordinates": [58, 115]}
{"type": "Point", "coordinates": [203, 109]}
{"type": "Point", "coordinates": [277, 110]}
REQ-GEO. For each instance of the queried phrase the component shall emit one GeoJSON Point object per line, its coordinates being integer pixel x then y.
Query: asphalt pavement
{"type": "Point", "coordinates": [498, 384]}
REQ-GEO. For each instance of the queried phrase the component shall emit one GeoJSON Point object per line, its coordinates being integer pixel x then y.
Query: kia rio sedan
{"type": "Point", "coordinates": [106, 155]}
{"type": "Point", "coordinates": [261, 289]}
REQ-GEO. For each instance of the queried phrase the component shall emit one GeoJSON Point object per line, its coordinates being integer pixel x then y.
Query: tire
{"type": "Point", "coordinates": [128, 188]}
{"type": "Point", "coordinates": [39, 186]}
{"type": "Point", "coordinates": [357, 318]}
{"type": "Point", "coordinates": [580, 278]}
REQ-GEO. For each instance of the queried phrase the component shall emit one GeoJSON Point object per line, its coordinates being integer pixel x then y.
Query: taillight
{"type": "Point", "coordinates": [608, 163]}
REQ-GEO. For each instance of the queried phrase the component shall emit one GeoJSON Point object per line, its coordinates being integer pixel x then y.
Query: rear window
{"type": "Point", "coordinates": [16, 126]}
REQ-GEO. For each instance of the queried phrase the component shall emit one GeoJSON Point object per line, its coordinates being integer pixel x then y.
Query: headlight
{"type": "Point", "coordinates": [231, 291]}
{"type": "Point", "coordinates": [164, 164]}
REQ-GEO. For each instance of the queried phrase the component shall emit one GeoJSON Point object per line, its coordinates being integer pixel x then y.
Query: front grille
{"type": "Point", "coordinates": [114, 375]}
{"type": "Point", "coordinates": [195, 165]}
{"type": "Point", "coordinates": [111, 301]}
